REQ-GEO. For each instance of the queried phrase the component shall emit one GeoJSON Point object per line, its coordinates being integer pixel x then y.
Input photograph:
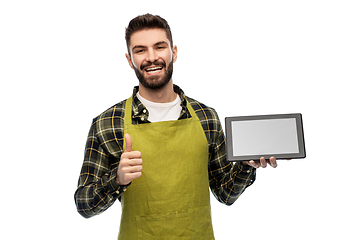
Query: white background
{"type": "Point", "coordinates": [63, 63]}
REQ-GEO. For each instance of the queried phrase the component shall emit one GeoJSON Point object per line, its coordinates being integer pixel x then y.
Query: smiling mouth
{"type": "Point", "coordinates": [153, 70]}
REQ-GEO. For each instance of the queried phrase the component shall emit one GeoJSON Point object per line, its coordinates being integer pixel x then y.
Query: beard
{"type": "Point", "coordinates": [155, 82]}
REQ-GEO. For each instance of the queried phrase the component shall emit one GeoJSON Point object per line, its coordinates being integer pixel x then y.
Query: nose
{"type": "Point", "coordinates": [151, 56]}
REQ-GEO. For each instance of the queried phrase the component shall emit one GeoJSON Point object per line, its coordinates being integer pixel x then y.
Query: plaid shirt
{"type": "Point", "coordinates": [97, 189]}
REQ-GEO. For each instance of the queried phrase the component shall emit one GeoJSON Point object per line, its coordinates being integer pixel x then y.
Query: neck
{"type": "Point", "coordinates": [162, 95]}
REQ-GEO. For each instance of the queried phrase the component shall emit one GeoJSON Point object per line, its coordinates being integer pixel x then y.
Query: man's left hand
{"type": "Point", "coordinates": [262, 163]}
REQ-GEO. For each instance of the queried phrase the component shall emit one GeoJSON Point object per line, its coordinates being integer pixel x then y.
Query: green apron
{"type": "Point", "coordinates": [171, 199]}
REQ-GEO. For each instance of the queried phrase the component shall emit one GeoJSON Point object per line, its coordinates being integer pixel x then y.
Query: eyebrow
{"type": "Point", "coordinates": [156, 44]}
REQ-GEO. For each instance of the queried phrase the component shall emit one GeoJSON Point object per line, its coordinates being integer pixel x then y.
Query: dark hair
{"type": "Point", "coordinates": [147, 21]}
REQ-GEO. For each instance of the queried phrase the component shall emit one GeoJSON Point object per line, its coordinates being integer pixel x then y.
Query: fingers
{"type": "Point", "coordinates": [128, 143]}
{"type": "Point", "coordinates": [254, 164]}
{"type": "Point", "coordinates": [263, 163]}
{"type": "Point", "coordinates": [129, 168]}
{"type": "Point", "coordinates": [130, 165]}
{"type": "Point", "coordinates": [129, 177]}
{"type": "Point", "coordinates": [273, 162]}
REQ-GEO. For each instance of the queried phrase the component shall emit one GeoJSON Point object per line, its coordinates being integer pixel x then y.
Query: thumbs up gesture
{"type": "Point", "coordinates": [130, 165]}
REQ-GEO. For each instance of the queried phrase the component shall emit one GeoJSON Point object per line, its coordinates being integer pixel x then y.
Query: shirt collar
{"type": "Point", "coordinates": [140, 112]}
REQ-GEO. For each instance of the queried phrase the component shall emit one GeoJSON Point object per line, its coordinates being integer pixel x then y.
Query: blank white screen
{"type": "Point", "coordinates": [257, 137]}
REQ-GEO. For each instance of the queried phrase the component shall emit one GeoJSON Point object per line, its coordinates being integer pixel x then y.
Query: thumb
{"type": "Point", "coordinates": [128, 143]}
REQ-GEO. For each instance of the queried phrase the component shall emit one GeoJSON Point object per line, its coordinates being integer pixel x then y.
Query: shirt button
{"type": "Point", "coordinates": [117, 192]}
{"type": "Point", "coordinates": [248, 171]}
{"type": "Point", "coordinates": [144, 111]}
{"type": "Point", "coordinates": [142, 118]}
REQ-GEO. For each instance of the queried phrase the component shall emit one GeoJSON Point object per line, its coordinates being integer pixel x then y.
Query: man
{"type": "Point", "coordinates": [159, 151]}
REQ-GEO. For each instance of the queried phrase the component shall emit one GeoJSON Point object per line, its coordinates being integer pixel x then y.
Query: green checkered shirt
{"type": "Point", "coordinates": [97, 189]}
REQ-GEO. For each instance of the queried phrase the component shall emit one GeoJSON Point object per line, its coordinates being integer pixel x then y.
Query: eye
{"type": "Point", "coordinates": [138, 50]}
{"type": "Point", "coordinates": [161, 47]}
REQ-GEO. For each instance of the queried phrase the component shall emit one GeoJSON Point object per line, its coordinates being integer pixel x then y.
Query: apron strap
{"type": "Point", "coordinates": [128, 110]}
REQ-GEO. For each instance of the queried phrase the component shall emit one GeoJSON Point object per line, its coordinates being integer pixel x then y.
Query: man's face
{"type": "Point", "coordinates": [151, 57]}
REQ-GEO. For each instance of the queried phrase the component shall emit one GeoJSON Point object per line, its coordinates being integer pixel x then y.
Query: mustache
{"type": "Point", "coordinates": [156, 62]}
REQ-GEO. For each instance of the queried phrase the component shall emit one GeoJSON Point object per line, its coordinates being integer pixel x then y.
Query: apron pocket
{"type": "Point", "coordinates": [191, 224]}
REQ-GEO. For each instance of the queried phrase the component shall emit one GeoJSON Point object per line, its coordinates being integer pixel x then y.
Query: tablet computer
{"type": "Point", "coordinates": [253, 137]}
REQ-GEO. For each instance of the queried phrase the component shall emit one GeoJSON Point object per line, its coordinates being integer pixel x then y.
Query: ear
{"type": "Point", "coordinates": [128, 57]}
{"type": "Point", "coordinates": [174, 51]}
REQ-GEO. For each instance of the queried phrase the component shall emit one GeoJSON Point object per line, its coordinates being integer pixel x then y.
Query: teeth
{"type": "Point", "coordinates": [153, 69]}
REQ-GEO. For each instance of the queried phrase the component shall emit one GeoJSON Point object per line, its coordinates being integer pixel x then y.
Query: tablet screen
{"type": "Point", "coordinates": [252, 137]}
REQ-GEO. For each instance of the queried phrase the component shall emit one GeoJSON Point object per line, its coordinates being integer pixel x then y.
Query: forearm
{"type": "Point", "coordinates": [228, 184]}
{"type": "Point", "coordinates": [97, 188]}
{"type": "Point", "coordinates": [95, 196]}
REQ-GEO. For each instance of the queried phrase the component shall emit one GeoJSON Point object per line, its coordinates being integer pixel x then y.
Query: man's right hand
{"type": "Point", "coordinates": [130, 165]}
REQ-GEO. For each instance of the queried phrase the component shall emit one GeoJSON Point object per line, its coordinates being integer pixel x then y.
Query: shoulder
{"type": "Point", "coordinates": [108, 128]}
{"type": "Point", "coordinates": [207, 115]}
{"type": "Point", "coordinates": [117, 111]}
{"type": "Point", "coordinates": [202, 110]}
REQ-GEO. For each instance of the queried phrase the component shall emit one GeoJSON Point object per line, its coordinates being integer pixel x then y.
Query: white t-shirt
{"type": "Point", "coordinates": [162, 111]}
